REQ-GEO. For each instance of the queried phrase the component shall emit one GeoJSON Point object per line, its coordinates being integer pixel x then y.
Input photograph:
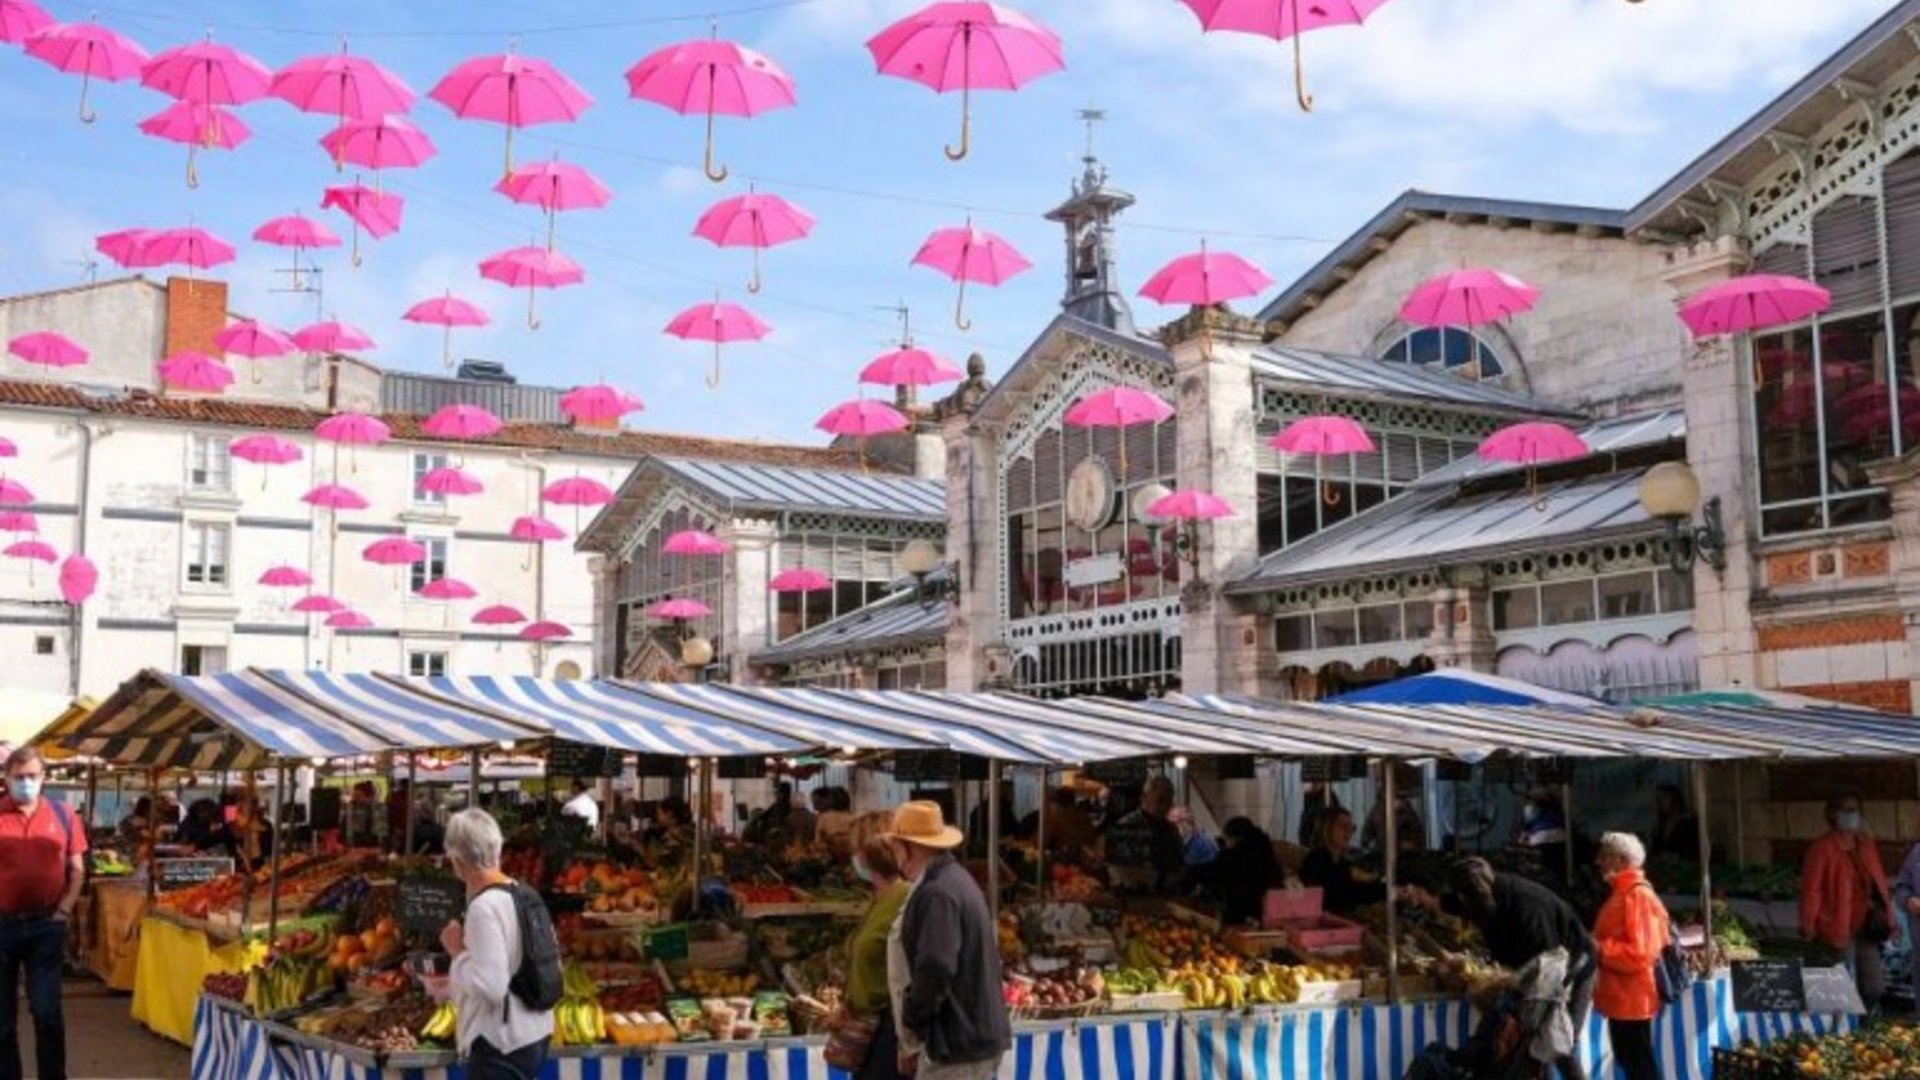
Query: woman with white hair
{"type": "Point", "coordinates": [500, 1037]}
{"type": "Point", "coordinates": [1629, 934]}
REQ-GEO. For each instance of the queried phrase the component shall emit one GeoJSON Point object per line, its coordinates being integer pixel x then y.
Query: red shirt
{"type": "Point", "coordinates": [34, 849]}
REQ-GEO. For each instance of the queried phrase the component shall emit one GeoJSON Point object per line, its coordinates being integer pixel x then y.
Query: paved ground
{"type": "Point", "coordinates": [103, 1042]}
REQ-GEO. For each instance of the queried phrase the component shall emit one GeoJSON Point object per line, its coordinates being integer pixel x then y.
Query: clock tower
{"type": "Point", "coordinates": [1093, 281]}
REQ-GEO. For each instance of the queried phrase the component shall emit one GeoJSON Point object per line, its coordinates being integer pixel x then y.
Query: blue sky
{"type": "Point", "coordinates": [1580, 101]}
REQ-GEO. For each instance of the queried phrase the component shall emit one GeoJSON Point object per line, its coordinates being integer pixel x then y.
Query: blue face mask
{"type": "Point", "coordinates": [1849, 821]}
{"type": "Point", "coordinates": [861, 870]}
{"type": "Point", "coordinates": [24, 788]}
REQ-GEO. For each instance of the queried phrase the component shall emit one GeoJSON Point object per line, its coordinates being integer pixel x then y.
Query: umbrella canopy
{"type": "Point", "coordinates": [48, 349]}
{"type": "Point", "coordinates": [128, 247]}
{"type": "Point", "coordinates": [1754, 302]}
{"type": "Point", "coordinates": [1323, 436]}
{"type": "Point", "coordinates": [753, 221]}
{"type": "Point", "coordinates": [90, 51]}
{"type": "Point", "coordinates": [694, 542]}
{"type": "Point", "coordinates": [318, 604]}
{"type": "Point", "coordinates": [545, 631]}
{"type": "Point", "coordinates": [1190, 506]}
{"type": "Point", "coordinates": [534, 530]}
{"type": "Point", "coordinates": [195, 373]}
{"type": "Point", "coordinates": [36, 550]}
{"type": "Point", "coordinates": [448, 589]}
{"type": "Point", "coordinates": [679, 609]}
{"type": "Point", "coordinates": [861, 418]}
{"type": "Point", "coordinates": [78, 578]}
{"type": "Point", "coordinates": [192, 247]}
{"type": "Point", "coordinates": [800, 580]}
{"type": "Point", "coordinates": [378, 212]}
{"type": "Point", "coordinates": [714, 77]}
{"type": "Point", "coordinates": [498, 615]}
{"type": "Point", "coordinates": [1468, 298]}
{"type": "Point", "coordinates": [394, 551]}
{"type": "Point", "coordinates": [532, 268]}
{"type": "Point", "coordinates": [198, 126]}
{"type": "Point", "coordinates": [254, 340]}
{"type": "Point", "coordinates": [15, 493]}
{"type": "Point", "coordinates": [20, 20]}
{"type": "Point", "coordinates": [554, 186]}
{"type": "Point", "coordinates": [448, 480]}
{"type": "Point", "coordinates": [286, 577]}
{"type": "Point", "coordinates": [265, 449]}
{"type": "Point", "coordinates": [18, 521]}
{"type": "Point", "coordinates": [463, 422]}
{"type": "Point", "coordinates": [909, 366]}
{"type": "Point", "coordinates": [510, 89]}
{"type": "Point", "coordinates": [967, 47]}
{"type": "Point", "coordinates": [577, 491]}
{"type": "Point", "coordinates": [9, 448]}
{"type": "Point", "coordinates": [353, 429]}
{"type": "Point", "coordinates": [1281, 20]}
{"type": "Point", "coordinates": [967, 254]}
{"type": "Point", "coordinates": [387, 142]}
{"type": "Point", "coordinates": [446, 311]}
{"type": "Point", "coordinates": [349, 620]}
{"type": "Point", "coordinates": [296, 231]}
{"type": "Point", "coordinates": [341, 85]}
{"type": "Point", "coordinates": [718, 322]}
{"type": "Point", "coordinates": [335, 497]}
{"type": "Point", "coordinates": [208, 73]}
{"type": "Point", "coordinates": [1533, 443]}
{"type": "Point", "coordinates": [1205, 278]}
{"type": "Point", "coordinates": [1117, 406]}
{"type": "Point", "coordinates": [598, 404]}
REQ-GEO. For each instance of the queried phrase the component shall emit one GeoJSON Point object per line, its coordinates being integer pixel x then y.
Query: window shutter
{"type": "Point", "coordinates": [1901, 186]}
{"type": "Point", "coordinates": [1846, 253]}
{"type": "Point", "coordinates": [1788, 259]}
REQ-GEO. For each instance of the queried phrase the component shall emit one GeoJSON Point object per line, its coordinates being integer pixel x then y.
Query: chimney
{"type": "Point", "coordinates": [196, 312]}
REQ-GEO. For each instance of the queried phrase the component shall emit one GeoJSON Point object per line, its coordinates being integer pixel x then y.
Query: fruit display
{"type": "Point", "coordinates": [714, 984]}
{"type": "Point", "coordinates": [1063, 991]}
{"type": "Point", "coordinates": [351, 953]}
{"type": "Point", "coordinates": [1071, 883]}
{"type": "Point", "coordinates": [226, 985]}
{"type": "Point", "coordinates": [1012, 948]}
{"type": "Point", "coordinates": [442, 1027]}
{"type": "Point", "coordinates": [1888, 1051]}
{"type": "Point", "coordinates": [1164, 943]}
{"type": "Point", "coordinates": [387, 1028]}
{"type": "Point", "coordinates": [283, 982]}
{"type": "Point", "coordinates": [751, 894]}
{"type": "Point", "coordinates": [107, 863]}
{"type": "Point", "coordinates": [342, 894]}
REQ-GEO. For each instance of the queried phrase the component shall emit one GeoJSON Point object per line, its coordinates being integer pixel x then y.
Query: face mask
{"type": "Point", "coordinates": [24, 788]}
{"type": "Point", "coordinates": [1849, 821]}
{"type": "Point", "coordinates": [1530, 814]}
{"type": "Point", "coordinates": [861, 870]}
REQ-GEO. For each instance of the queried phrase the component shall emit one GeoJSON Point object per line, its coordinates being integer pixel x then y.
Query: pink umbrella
{"type": "Point", "coordinates": [598, 404]}
{"type": "Point", "coordinates": [1533, 444]}
{"type": "Point", "coordinates": [1322, 436]}
{"type": "Point", "coordinates": [265, 450]}
{"type": "Point", "coordinates": [577, 491]}
{"type": "Point", "coordinates": [208, 73]}
{"type": "Point", "coordinates": [128, 247]}
{"type": "Point", "coordinates": [37, 550]}
{"type": "Point", "coordinates": [18, 521]}
{"type": "Point", "coordinates": [463, 422]}
{"type": "Point", "coordinates": [394, 551]}
{"type": "Point", "coordinates": [447, 589]}
{"type": "Point", "coordinates": [253, 341]}
{"type": "Point", "coordinates": [717, 322]}
{"type": "Point", "coordinates": [1205, 278]}
{"type": "Point", "coordinates": [286, 577]}
{"type": "Point", "coordinates": [343, 86]}
{"type": "Point", "coordinates": [498, 615]}
{"type": "Point", "coordinates": [352, 429]}
{"type": "Point", "coordinates": [534, 530]}
{"type": "Point", "coordinates": [451, 481]}
{"type": "Point", "coordinates": [191, 247]}
{"type": "Point", "coordinates": [14, 493]}
{"type": "Point", "coordinates": [694, 542]}
{"type": "Point", "coordinates": [197, 125]}
{"type": "Point", "coordinates": [335, 497]}
{"type": "Point", "coordinates": [195, 373]}
{"type": "Point", "coordinates": [718, 78]}
{"type": "Point", "coordinates": [377, 143]}
{"type": "Point", "coordinates": [378, 212]}
{"type": "Point", "coordinates": [755, 221]}
{"type": "Point", "coordinates": [1117, 407]}
{"type": "Point", "coordinates": [1189, 506]}
{"type": "Point", "coordinates": [908, 366]}
{"type": "Point", "coordinates": [78, 578]}
{"type": "Point", "coordinates": [861, 418]}
{"type": "Point", "coordinates": [90, 51]}
{"type": "Point", "coordinates": [349, 620]}
{"type": "Point", "coordinates": [296, 231]}
{"type": "Point", "coordinates": [1468, 298]}
{"type": "Point", "coordinates": [8, 448]}
{"type": "Point", "coordinates": [545, 631]}
{"type": "Point", "coordinates": [1754, 302]}
{"type": "Point", "coordinates": [332, 337]}
{"type": "Point", "coordinates": [532, 268]}
{"type": "Point", "coordinates": [510, 89]}
{"type": "Point", "coordinates": [1280, 20]}
{"type": "Point", "coordinates": [446, 312]}
{"type": "Point", "coordinates": [318, 604]}
{"type": "Point", "coordinates": [48, 349]}
{"type": "Point", "coordinates": [20, 20]}
{"type": "Point", "coordinates": [679, 609]}
{"type": "Point", "coordinates": [800, 580]}
{"type": "Point", "coordinates": [967, 47]}
{"type": "Point", "coordinates": [969, 254]}
{"type": "Point", "coordinates": [554, 186]}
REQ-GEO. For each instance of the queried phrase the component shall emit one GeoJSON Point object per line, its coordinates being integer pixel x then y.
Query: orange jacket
{"type": "Point", "coordinates": [1629, 933]}
{"type": "Point", "coordinates": [1835, 886]}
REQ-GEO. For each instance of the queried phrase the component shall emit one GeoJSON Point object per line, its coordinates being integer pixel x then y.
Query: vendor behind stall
{"type": "Point", "coordinates": [1069, 828]}
{"type": "Point", "coordinates": [1329, 867]}
{"type": "Point", "coordinates": [1142, 849]}
{"type": "Point", "coordinates": [1244, 872]}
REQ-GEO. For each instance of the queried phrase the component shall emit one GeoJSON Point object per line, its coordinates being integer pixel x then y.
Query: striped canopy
{"type": "Point", "coordinates": [601, 714]}
{"type": "Point", "coordinates": [404, 718]}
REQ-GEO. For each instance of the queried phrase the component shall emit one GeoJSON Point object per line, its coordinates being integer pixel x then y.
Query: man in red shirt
{"type": "Point", "coordinates": [43, 849]}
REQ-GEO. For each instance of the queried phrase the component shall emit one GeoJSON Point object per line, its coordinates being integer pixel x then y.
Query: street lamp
{"type": "Point", "coordinates": [920, 560]}
{"type": "Point", "coordinates": [1184, 541]}
{"type": "Point", "coordinates": [1670, 492]}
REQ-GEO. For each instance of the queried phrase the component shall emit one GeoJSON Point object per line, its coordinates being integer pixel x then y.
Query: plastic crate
{"type": "Point", "coordinates": [1731, 1065]}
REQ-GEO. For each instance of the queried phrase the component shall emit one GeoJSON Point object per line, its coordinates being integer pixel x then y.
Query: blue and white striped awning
{"type": "Point", "coordinates": [599, 714]}
{"type": "Point", "coordinates": [403, 717]}
{"type": "Point", "coordinates": [778, 710]}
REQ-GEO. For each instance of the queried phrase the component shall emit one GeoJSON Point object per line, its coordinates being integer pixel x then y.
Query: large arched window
{"type": "Point", "coordinates": [1451, 349]}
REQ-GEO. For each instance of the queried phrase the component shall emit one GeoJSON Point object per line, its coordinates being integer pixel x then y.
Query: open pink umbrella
{"type": "Point", "coordinates": [545, 631]}
{"type": "Point", "coordinates": [387, 142]}
{"type": "Point", "coordinates": [577, 491]}
{"type": "Point", "coordinates": [800, 580]}
{"type": "Point", "coordinates": [296, 231]}
{"type": "Point", "coordinates": [535, 530]}
{"type": "Point", "coordinates": [208, 73]}
{"type": "Point", "coordinates": [128, 247]}
{"type": "Point", "coordinates": [1754, 302]}
{"type": "Point", "coordinates": [332, 336]}
{"type": "Point", "coordinates": [349, 620]}
{"type": "Point", "coordinates": [448, 480]}
{"type": "Point", "coordinates": [15, 493]}
{"type": "Point", "coordinates": [679, 609]}
{"type": "Point", "coordinates": [1190, 506]}
{"type": "Point", "coordinates": [711, 76]}
{"type": "Point", "coordinates": [33, 551]}
{"type": "Point", "coordinates": [968, 254]}
{"type": "Point", "coordinates": [1205, 278]}
{"type": "Point", "coordinates": [531, 268]}
{"type": "Point", "coordinates": [463, 422]}
{"type": "Point", "coordinates": [1117, 407]}
{"type": "Point", "coordinates": [318, 604]}
{"type": "Point", "coordinates": [78, 578]}
{"type": "Point", "coordinates": [48, 349]}
{"type": "Point", "coordinates": [694, 542]}
{"type": "Point", "coordinates": [909, 366]}
{"type": "Point", "coordinates": [335, 497]}
{"type": "Point", "coordinates": [554, 186]}
{"type": "Point", "coordinates": [754, 221]}
{"type": "Point", "coordinates": [197, 126]}
{"type": "Point", "coordinates": [255, 341]}
{"type": "Point", "coordinates": [191, 247]}
{"type": "Point", "coordinates": [19, 521]}
{"type": "Point", "coordinates": [9, 448]}
{"type": "Point", "coordinates": [352, 429]}
{"type": "Point", "coordinates": [967, 47]}
{"type": "Point", "coordinates": [1280, 20]}
{"type": "Point", "coordinates": [1533, 444]}
{"type": "Point", "coordinates": [447, 589]}
{"type": "Point", "coordinates": [378, 212]}
{"type": "Point", "coordinates": [20, 20]}
{"type": "Point", "coordinates": [860, 419]}
{"type": "Point", "coordinates": [510, 89]}
{"type": "Point", "coordinates": [717, 322]}
{"type": "Point", "coordinates": [446, 312]}
{"type": "Point", "coordinates": [286, 577]}
{"type": "Point", "coordinates": [342, 86]}
{"type": "Point", "coordinates": [90, 51]}
{"type": "Point", "coordinates": [598, 404]}
{"type": "Point", "coordinates": [394, 551]}
{"type": "Point", "coordinates": [265, 449]}
{"type": "Point", "coordinates": [1468, 298]}
{"type": "Point", "coordinates": [1323, 437]}
{"type": "Point", "coordinates": [195, 373]}
{"type": "Point", "coordinates": [498, 615]}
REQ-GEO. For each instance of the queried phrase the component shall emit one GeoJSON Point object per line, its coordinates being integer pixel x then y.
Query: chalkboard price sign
{"type": "Point", "coordinates": [1832, 992]}
{"type": "Point", "coordinates": [1765, 986]}
{"type": "Point", "coordinates": [1322, 770]}
{"type": "Point", "coordinates": [667, 942]}
{"type": "Point", "coordinates": [936, 766]}
{"type": "Point", "coordinates": [580, 760]}
{"type": "Point", "coordinates": [424, 905]}
{"type": "Point", "coordinates": [1130, 842]}
{"type": "Point", "coordinates": [172, 874]}
{"type": "Point", "coordinates": [1129, 773]}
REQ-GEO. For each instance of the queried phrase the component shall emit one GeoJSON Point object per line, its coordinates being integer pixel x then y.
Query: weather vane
{"type": "Point", "coordinates": [1091, 117]}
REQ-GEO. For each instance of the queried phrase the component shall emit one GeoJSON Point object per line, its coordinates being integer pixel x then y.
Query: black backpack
{"type": "Point", "coordinates": [538, 982]}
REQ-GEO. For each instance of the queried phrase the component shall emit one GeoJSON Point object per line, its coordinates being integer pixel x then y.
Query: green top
{"type": "Point", "coordinates": [867, 952]}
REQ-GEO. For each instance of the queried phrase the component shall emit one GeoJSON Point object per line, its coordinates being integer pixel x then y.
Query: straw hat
{"type": "Point", "coordinates": [922, 823]}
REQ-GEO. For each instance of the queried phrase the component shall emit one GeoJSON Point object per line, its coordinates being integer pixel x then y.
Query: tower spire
{"type": "Point", "coordinates": [1093, 286]}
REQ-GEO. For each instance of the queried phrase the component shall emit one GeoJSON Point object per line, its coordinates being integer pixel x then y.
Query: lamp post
{"type": "Point", "coordinates": [1140, 506]}
{"type": "Point", "coordinates": [1670, 492]}
{"type": "Point", "coordinates": [696, 652]}
{"type": "Point", "coordinates": [920, 560]}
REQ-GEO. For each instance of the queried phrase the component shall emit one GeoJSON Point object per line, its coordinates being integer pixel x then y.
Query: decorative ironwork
{"type": "Point", "coordinates": [1844, 159]}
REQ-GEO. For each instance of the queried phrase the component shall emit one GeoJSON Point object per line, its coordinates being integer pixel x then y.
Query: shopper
{"type": "Point", "coordinates": [135, 826]}
{"type": "Point", "coordinates": [583, 806]}
{"type": "Point", "coordinates": [950, 954]}
{"type": "Point", "coordinates": [833, 826]}
{"type": "Point", "coordinates": [1197, 849]}
{"type": "Point", "coordinates": [500, 1037]}
{"type": "Point", "coordinates": [869, 1005]}
{"type": "Point", "coordinates": [43, 851]}
{"type": "Point", "coordinates": [1628, 936]}
{"type": "Point", "coordinates": [1070, 830]}
{"type": "Point", "coordinates": [1845, 903]}
{"type": "Point", "coordinates": [1906, 901]}
{"type": "Point", "coordinates": [1345, 888]}
{"type": "Point", "coordinates": [1244, 872]}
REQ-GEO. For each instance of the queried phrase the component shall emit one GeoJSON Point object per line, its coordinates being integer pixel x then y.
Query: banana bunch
{"type": "Point", "coordinates": [444, 1023]}
{"type": "Point", "coordinates": [576, 983]}
{"type": "Point", "coordinates": [1140, 954]}
{"type": "Point", "coordinates": [713, 984]}
{"type": "Point", "coordinates": [1139, 980]}
{"type": "Point", "coordinates": [283, 984]}
{"type": "Point", "coordinates": [579, 1021]}
{"type": "Point", "coordinates": [1274, 985]}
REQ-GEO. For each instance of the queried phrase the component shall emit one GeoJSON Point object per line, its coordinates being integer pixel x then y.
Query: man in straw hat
{"type": "Point", "coordinates": [952, 1007]}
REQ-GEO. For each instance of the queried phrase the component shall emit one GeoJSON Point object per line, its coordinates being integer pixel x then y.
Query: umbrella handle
{"type": "Point", "coordinates": [506, 159]}
{"type": "Point", "coordinates": [1539, 497]}
{"type": "Point", "coordinates": [960, 319]}
{"type": "Point", "coordinates": [193, 174]}
{"type": "Point", "coordinates": [356, 244]}
{"type": "Point", "coordinates": [966, 126]}
{"type": "Point", "coordinates": [446, 347]}
{"type": "Point", "coordinates": [753, 283]}
{"type": "Point", "coordinates": [713, 376]}
{"type": "Point", "coordinates": [551, 215]}
{"type": "Point", "coordinates": [721, 175]}
{"type": "Point", "coordinates": [87, 115]}
{"type": "Point", "coordinates": [1299, 73]}
{"type": "Point", "coordinates": [253, 372]}
{"type": "Point", "coordinates": [533, 311]}
{"type": "Point", "coordinates": [1329, 494]}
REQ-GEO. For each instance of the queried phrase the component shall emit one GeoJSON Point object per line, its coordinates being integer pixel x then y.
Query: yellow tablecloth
{"type": "Point", "coordinates": [115, 909]}
{"type": "Point", "coordinates": [174, 961]}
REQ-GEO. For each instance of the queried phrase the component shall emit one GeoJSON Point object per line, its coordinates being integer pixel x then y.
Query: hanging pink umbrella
{"type": "Point", "coordinates": [388, 142]}
{"type": "Point", "coordinates": [448, 589]}
{"type": "Point", "coordinates": [679, 609]}
{"type": "Point", "coordinates": [800, 580]}
{"type": "Point", "coordinates": [15, 493]}
{"type": "Point", "coordinates": [1533, 444]}
{"type": "Point", "coordinates": [535, 530]}
{"type": "Point", "coordinates": [195, 373]}
{"type": "Point", "coordinates": [1323, 435]}
{"type": "Point", "coordinates": [78, 578]}
{"type": "Point", "coordinates": [318, 604]}
{"type": "Point", "coordinates": [532, 268]}
{"type": "Point", "coordinates": [967, 47]}
{"type": "Point", "coordinates": [718, 78]}
{"type": "Point", "coordinates": [498, 615]}
{"type": "Point", "coordinates": [1117, 407]}
{"type": "Point", "coordinates": [968, 254]}
{"type": "Point", "coordinates": [861, 418]}
{"type": "Point", "coordinates": [1280, 20]}
{"type": "Point", "coordinates": [128, 247]}
{"type": "Point", "coordinates": [286, 577]}
{"type": "Point", "coordinates": [394, 551]}
{"type": "Point", "coordinates": [378, 212]}
{"type": "Point", "coordinates": [554, 186]}
{"type": "Point", "coordinates": [1189, 506]}
{"type": "Point", "coordinates": [1468, 298]}
{"type": "Point", "coordinates": [446, 312]}
{"type": "Point", "coordinates": [349, 620]}
{"type": "Point", "coordinates": [208, 73]}
{"type": "Point", "coordinates": [354, 430]}
{"type": "Point", "coordinates": [342, 86]}
{"type": "Point", "coordinates": [195, 248]}
{"type": "Point", "coordinates": [577, 491]}
{"type": "Point", "coordinates": [18, 521]}
{"type": "Point", "coordinates": [265, 449]}
{"type": "Point", "coordinates": [517, 91]}
{"type": "Point", "coordinates": [335, 497]}
{"type": "Point", "coordinates": [36, 550]}
{"type": "Point", "coordinates": [332, 336]}
{"type": "Point", "coordinates": [198, 126]}
{"type": "Point", "coordinates": [1754, 302]}
{"type": "Point", "coordinates": [90, 51]}
{"type": "Point", "coordinates": [717, 322]}
{"type": "Point", "coordinates": [20, 20]}
{"type": "Point", "coordinates": [753, 221]}
{"type": "Point", "coordinates": [545, 631]}
{"type": "Point", "coordinates": [256, 341]}
{"type": "Point", "coordinates": [694, 542]}
{"type": "Point", "coordinates": [598, 404]}
{"type": "Point", "coordinates": [48, 349]}
{"type": "Point", "coordinates": [296, 231]}
{"type": "Point", "coordinates": [451, 481]}
{"type": "Point", "coordinates": [909, 366]}
{"type": "Point", "coordinates": [8, 448]}
{"type": "Point", "coordinates": [463, 422]}
{"type": "Point", "coordinates": [1205, 278]}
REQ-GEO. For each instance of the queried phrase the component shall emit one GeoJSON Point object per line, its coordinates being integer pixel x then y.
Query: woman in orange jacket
{"type": "Point", "coordinates": [1629, 934]}
{"type": "Point", "coordinates": [1844, 900]}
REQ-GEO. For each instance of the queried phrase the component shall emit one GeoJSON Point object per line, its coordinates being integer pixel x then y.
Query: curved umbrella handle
{"type": "Point", "coordinates": [551, 215]}
{"type": "Point", "coordinates": [533, 311]}
{"type": "Point", "coordinates": [707, 165]}
{"type": "Point", "coordinates": [960, 319]}
{"type": "Point", "coordinates": [356, 244]}
{"type": "Point", "coordinates": [966, 126]}
{"type": "Point", "coordinates": [753, 283]}
{"type": "Point", "coordinates": [1329, 494]}
{"type": "Point", "coordinates": [1299, 74]}
{"type": "Point", "coordinates": [193, 174]}
{"type": "Point", "coordinates": [446, 347]}
{"type": "Point", "coordinates": [713, 375]}
{"type": "Point", "coordinates": [87, 115]}
{"type": "Point", "coordinates": [253, 371]}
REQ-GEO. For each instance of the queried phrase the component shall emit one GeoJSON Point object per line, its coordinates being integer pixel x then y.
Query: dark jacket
{"type": "Point", "coordinates": [1342, 892]}
{"type": "Point", "coordinates": [1529, 919]}
{"type": "Point", "coordinates": [953, 1001]}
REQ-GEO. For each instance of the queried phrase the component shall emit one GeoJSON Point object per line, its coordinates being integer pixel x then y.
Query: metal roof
{"type": "Point", "coordinates": [1326, 371]}
{"type": "Point", "coordinates": [779, 487]}
{"type": "Point", "coordinates": [898, 619]}
{"type": "Point", "coordinates": [1432, 526]}
{"type": "Point", "coordinates": [1619, 435]}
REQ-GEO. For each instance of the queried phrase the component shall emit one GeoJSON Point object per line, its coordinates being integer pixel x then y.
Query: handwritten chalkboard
{"type": "Point", "coordinates": [934, 766]}
{"type": "Point", "coordinates": [742, 768]}
{"type": "Point", "coordinates": [1130, 841]}
{"type": "Point", "coordinates": [1831, 991]}
{"type": "Point", "coordinates": [324, 808]}
{"type": "Point", "coordinates": [172, 874]}
{"type": "Point", "coordinates": [1129, 773]}
{"type": "Point", "coordinates": [666, 942]}
{"type": "Point", "coordinates": [1321, 770]}
{"type": "Point", "coordinates": [581, 761]}
{"type": "Point", "coordinates": [424, 905]}
{"type": "Point", "coordinates": [1767, 986]}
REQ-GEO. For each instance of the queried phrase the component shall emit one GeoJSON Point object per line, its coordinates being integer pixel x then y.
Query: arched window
{"type": "Point", "coordinates": [1452, 349]}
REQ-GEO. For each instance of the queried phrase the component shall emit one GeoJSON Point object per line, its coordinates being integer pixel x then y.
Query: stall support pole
{"type": "Point", "coordinates": [1699, 771]}
{"type": "Point", "coordinates": [248, 850]}
{"type": "Point", "coordinates": [1040, 838]}
{"type": "Point", "coordinates": [701, 831]}
{"type": "Point", "coordinates": [993, 837]}
{"type": "Point", "coordinates": [153, 839]}
{"type": "Point", "coordinates": [273, 875]}
{"type": "Point", "coordinates": [93, 794]}
{"type": "Point", "coordinates": [1739, 817]}
{"type": "Point", "coordinates": [1566, 813]}
{"type": "Point", "coordinates": [473, 779]}
{"type": "Point", "coordinates": [413, 796]}
{"type": "Point", "coordinates": [1393, 882]}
